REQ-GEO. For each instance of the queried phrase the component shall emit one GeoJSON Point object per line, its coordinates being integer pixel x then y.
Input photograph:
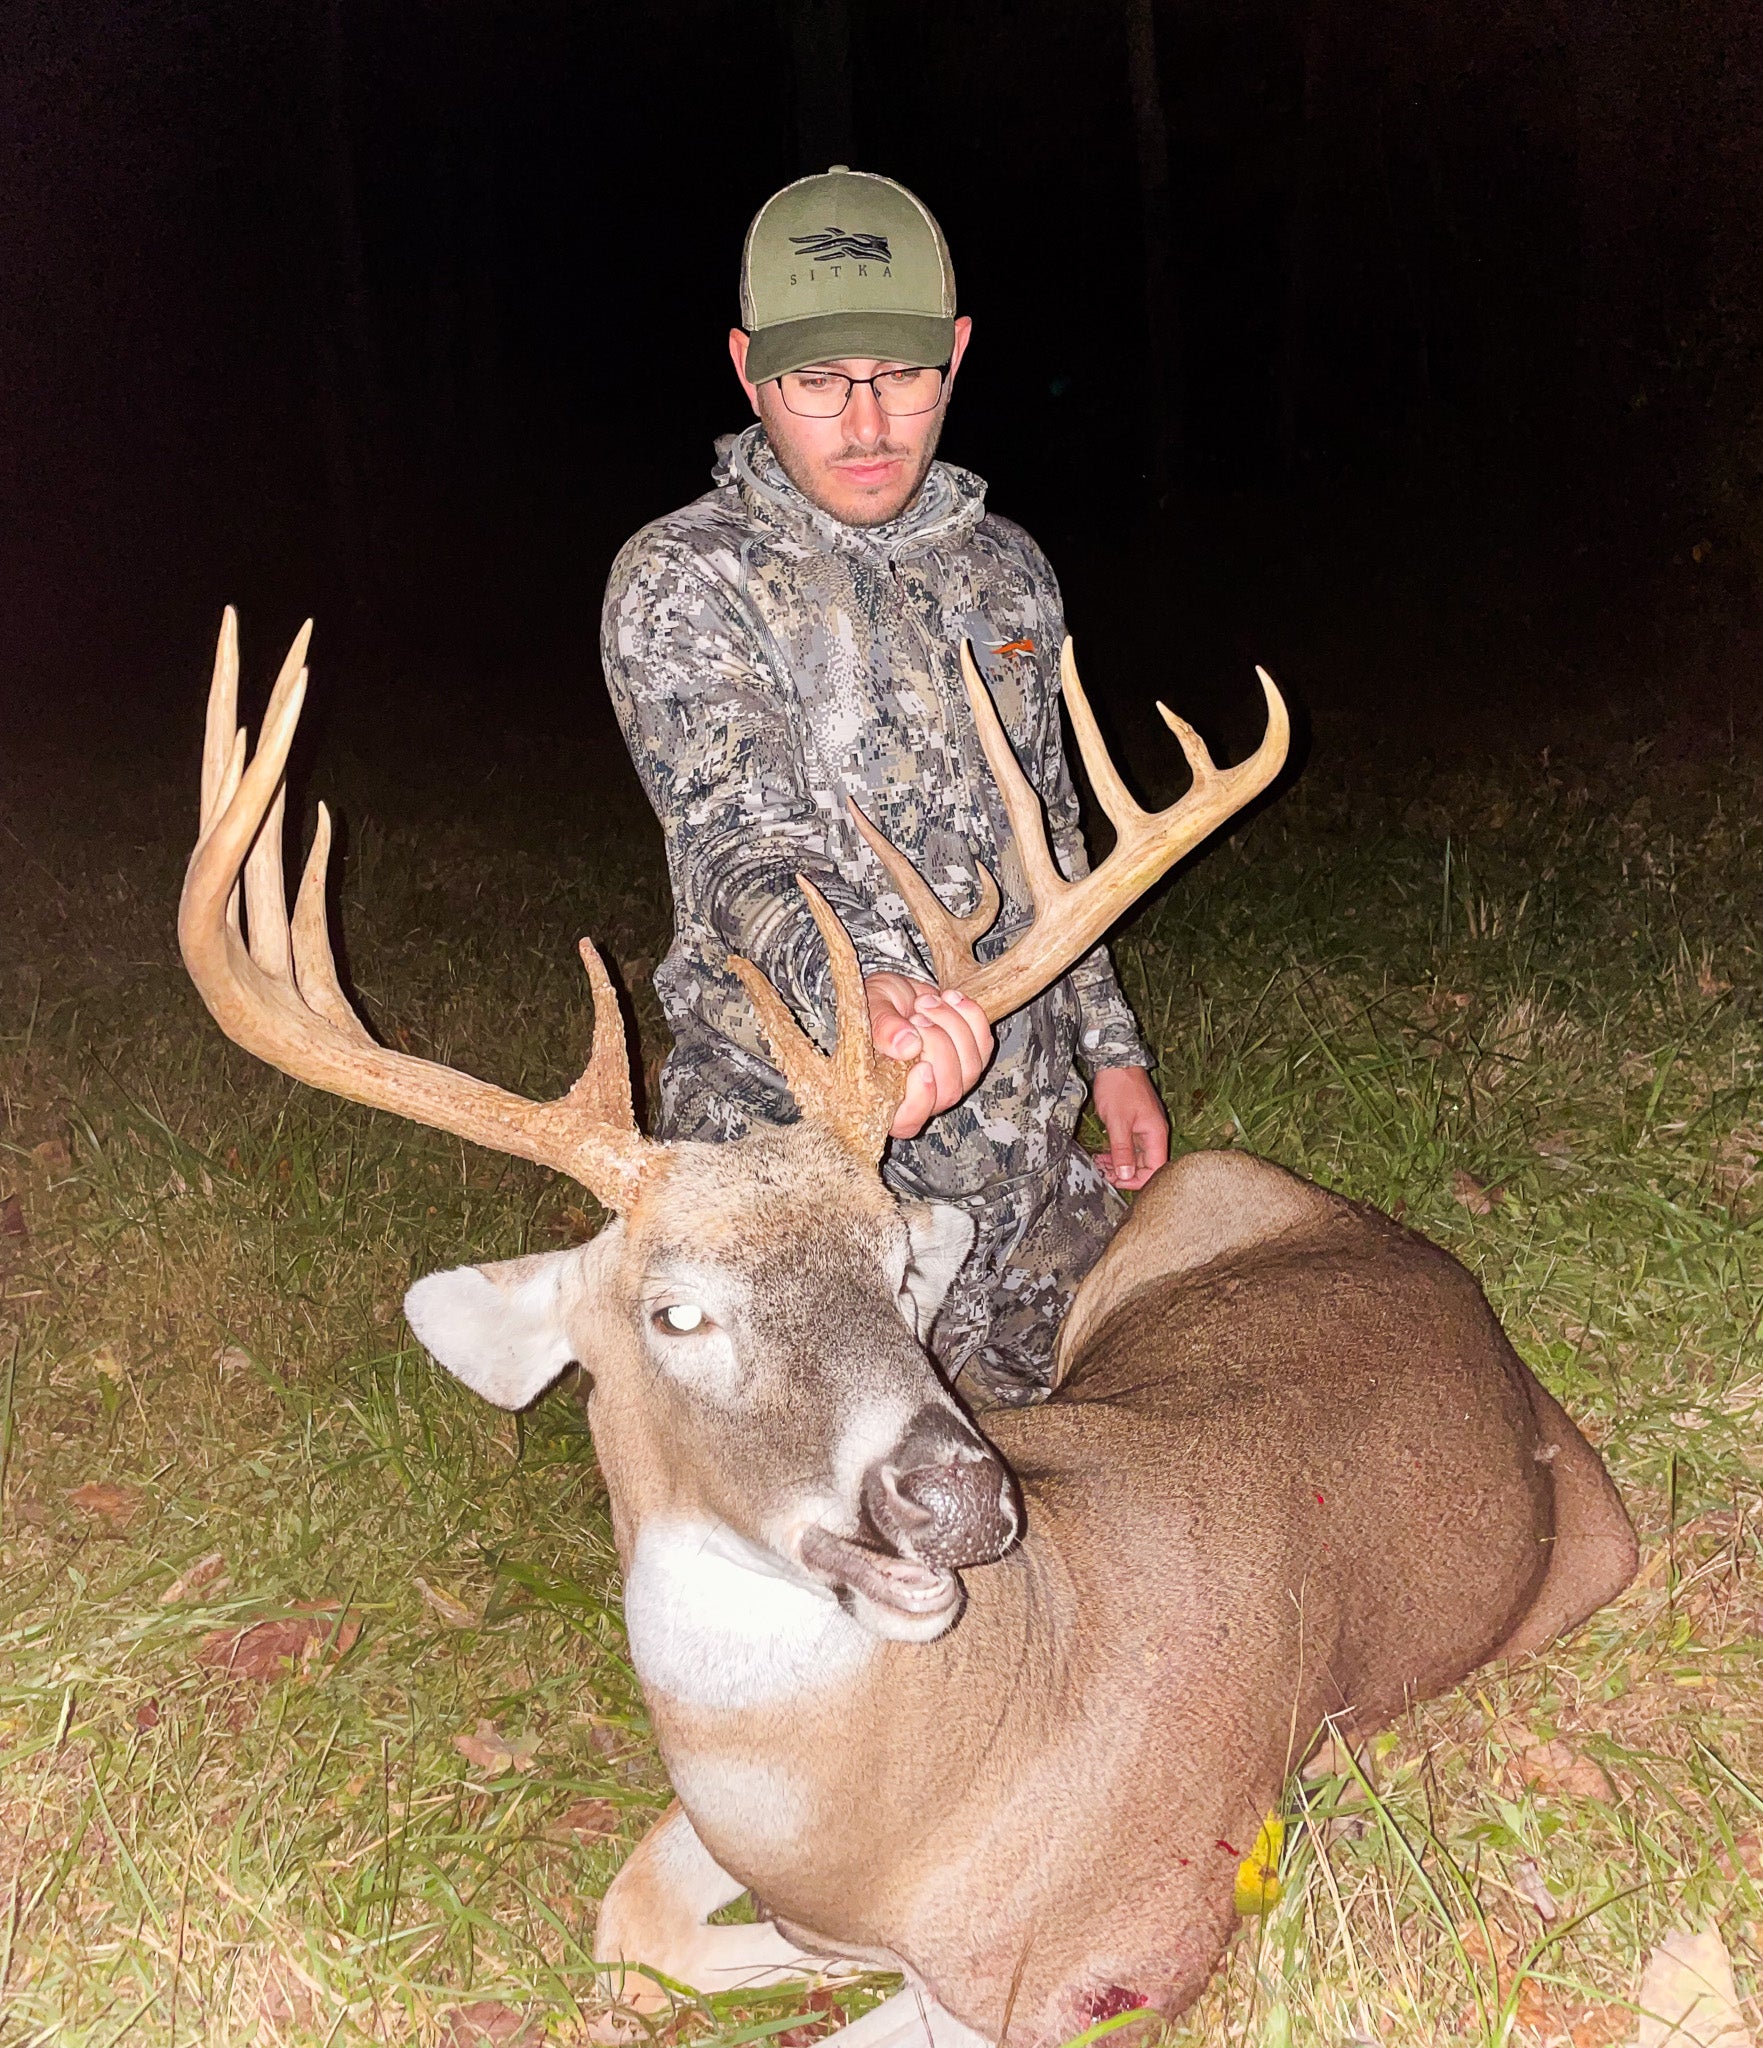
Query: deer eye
{"type": "Point", "coordinates": [680, 1318]}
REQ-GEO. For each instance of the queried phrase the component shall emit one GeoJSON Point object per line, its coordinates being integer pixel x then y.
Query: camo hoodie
{"type": "Point", "coordinates": [766, 662]}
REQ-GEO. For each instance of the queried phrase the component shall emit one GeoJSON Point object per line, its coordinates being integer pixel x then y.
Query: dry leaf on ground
{"type": "Point", "coordinates": [830, 2018]}
{"type": "Point", "coordinates": [1687, 1997]}
{"type": "Point", "coordinates": [115, 1506]}
{"type": "Point", "coordinates": [107, 1365]}
{"type": "Point", "coordinates": [1734, 1160]}
{"type": "Point", "coordinates": [1478, 1198]}
{"type": "Point", "coordinates": [1556, 1145]}
{"type": "Point", "coordinates": [206, 1571]}
{"type": "Point", "coordinates": [12, 1223]}
{"type": "Point", "coordinates": [586, 1820]}
{"type": "Point", "coordinates": [286, 1998]}
{"type": "Point", "coordinates": [489, 2024]}
{"type": "Point", "coordinates": [1542, 2013]}
{"type": "Point", "coordinates": [494, 1752]}
{"type": "Point", "coordinates": [52, 1154]}
{"type": "Point", "coordinates": [232, 1358]}
{"type": "Point", "coordinates": [1531, 1886]}
{"type": "Point", "coordinates": [269, 1650]}
{"type": "Point", "coordinates": [147, 1715]}
{"type": "Point", "coordinates": [1559, 1767]}
{"type": "Point", "coordinates": [453, 1612]}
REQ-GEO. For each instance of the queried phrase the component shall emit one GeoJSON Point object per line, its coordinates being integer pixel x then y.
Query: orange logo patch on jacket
{"type": "Point", "coordinates": [1024, 646]}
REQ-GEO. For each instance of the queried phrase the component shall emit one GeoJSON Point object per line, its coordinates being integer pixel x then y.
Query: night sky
{"type": "Point", "coordinates": [408, 317]}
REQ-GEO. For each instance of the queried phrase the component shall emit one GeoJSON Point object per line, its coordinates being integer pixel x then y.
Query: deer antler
{"type": "Point", "coordinates": [856, 1090]}
{"type": "Point", "coordinates": [1069, 917]}
{"type": "Point", "coordinates": [279, 996]}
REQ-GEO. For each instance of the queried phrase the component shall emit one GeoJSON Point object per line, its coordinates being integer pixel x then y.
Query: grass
{"type": "Point", "coordinates": [1520, 1006]}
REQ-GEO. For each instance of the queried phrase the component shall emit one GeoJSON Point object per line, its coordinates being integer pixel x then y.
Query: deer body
{"type": "Point", "coordinates": [1339, 1490]}
{"type": "Point", "coordinates": [1293, 1473]}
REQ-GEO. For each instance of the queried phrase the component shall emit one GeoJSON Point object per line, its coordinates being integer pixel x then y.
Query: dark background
{"type": "Point", "coordinates": [1411, 346]}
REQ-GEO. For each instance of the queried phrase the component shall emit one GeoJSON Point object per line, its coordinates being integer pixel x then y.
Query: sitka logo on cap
{"type": "Point", "coordinates": [834, 245]}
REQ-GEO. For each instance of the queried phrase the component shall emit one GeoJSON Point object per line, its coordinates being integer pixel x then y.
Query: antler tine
{"type": "Point", "coordinates": [281, 999]}
{"type": "Point", "coordinates": [1111, 793]}
{"type": "Point", "coordinates": [1021, 805]}
{"type": "Point", "coordinates": [949, 939]}
{"type": "Point", "coordinates": [855, 1090]}
{"type": "Point", "coordinates": [1070, 916]}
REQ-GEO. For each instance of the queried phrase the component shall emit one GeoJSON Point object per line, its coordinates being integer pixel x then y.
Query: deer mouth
{"type": "Point", "coordinates": [899, 1585]}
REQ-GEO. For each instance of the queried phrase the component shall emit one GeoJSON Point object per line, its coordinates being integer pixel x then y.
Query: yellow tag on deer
{"type": "Point", "coordinates": [1258, 1885]}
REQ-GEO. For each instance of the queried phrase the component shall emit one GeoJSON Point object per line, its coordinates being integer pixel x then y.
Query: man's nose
{"type": "Point", "coordinates": [864, 419]}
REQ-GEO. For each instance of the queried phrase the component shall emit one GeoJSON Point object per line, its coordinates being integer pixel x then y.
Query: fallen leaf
{"type": "Point", "coordinates": [115, 1506]}
{"type": "Point", "coordinates": [1687, 1997]}
{"type": "Point", "coordinates": [1735, 1160]}
{"type": "Point", "coordinates": [202, 1573]}
{"type": "Point", "coordinates": [453, 1612]}
{"type": "Point", "coordinates": [494, 1752]}
{"type": "Point", "coordinates": [488, 2024]}
{"type": "Point", "coordinates": [234, 1163]}
{"type": "Point", "coordinates": [1476, 1196]}
{"type": "Point", "coordinates": [52, 1155]}
{"type": "Point", "coordinates": [586, 1820]}
{"type": "Point", "coordinates": [147, 1715]}
{"type": "Point", "coordinates": [1489, 1942]}
{"type": "Point", "coordinates": [107, 1365]}
{"type": "Point", "coordinates": [232, 1358]}
{"type": "Point", "coordinates": [1557, 1145]}
{"type": "Point", "coordinates": [1258, 1887]}
{"type": "Point", "coordinates": [572, 1225]}
{"type": "Point", "coordinates": [1541, 2010]}
{"type": "Point", "coordinates": [12, 1223]}
{"type": "Point", "coordinates": [1528, 1882]}
{"type": "Point", "coordinates": [1559, 1767]}
{"type": "Point", "coordinates": [286, 1999]}
{"type": "Point", "coordinates": [829, 2018]}
{"type": "Point", "coordinates": [269, 1650]}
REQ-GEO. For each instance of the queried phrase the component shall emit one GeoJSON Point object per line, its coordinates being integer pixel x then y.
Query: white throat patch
{"type": "Point", "coordinates": [714, 1621]}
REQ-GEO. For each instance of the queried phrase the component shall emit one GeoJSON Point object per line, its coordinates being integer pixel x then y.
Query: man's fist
{"type": "Point", "coordinates": [945, 1036]}
{"type": "Point", "coordinates": [1138, 1131]}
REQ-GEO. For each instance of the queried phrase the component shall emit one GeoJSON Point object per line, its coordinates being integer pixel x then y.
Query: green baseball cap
{"type": "Point", "coordinates": [845, 264]}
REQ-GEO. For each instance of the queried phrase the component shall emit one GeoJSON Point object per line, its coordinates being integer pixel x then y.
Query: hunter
{"type": "Point", "coordinates": [792, 639]}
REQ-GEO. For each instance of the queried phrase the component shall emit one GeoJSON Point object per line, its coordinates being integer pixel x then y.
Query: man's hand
{"type": "Point", "coordinates": [946, 1036]}
{"type": "Point", "coordinates": [1138, 1131]}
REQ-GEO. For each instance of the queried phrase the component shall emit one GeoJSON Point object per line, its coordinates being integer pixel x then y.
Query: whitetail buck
{"type": "Point", "coordinates": [1293, 1472]}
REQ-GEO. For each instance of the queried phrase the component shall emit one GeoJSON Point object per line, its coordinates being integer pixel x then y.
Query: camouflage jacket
{"type": "Point", "coordinates": [766, 662]}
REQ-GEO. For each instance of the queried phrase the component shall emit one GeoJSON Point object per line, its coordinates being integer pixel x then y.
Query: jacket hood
{"type": "Point", "coordinates": [950, 503]}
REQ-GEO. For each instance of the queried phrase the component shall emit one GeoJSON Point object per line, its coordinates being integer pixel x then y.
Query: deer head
{"type": "Point", "coordinates": [752, 1321]}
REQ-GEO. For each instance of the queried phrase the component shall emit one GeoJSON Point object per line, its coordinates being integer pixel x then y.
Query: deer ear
{"type": "Point", "coordinates": [502, 1328]}
{"type": "Point", "coordinates": [941, 1237]}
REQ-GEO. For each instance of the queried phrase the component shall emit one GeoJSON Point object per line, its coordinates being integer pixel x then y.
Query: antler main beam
{"type": "Point", "coordinates": [1069, 917]}
{"type": "Point", "coordinates": [274, 990]}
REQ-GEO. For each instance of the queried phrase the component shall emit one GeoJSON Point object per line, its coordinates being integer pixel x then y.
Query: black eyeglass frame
{"type": "Point", "coordinates": [851, 384]}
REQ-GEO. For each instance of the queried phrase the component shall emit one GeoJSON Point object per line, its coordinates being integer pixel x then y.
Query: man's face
{"type": "Point", "coordinates": [863, 467]}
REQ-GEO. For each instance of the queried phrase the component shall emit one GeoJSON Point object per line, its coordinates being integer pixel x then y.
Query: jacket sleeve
{"type": "Point", "coordinates": [1108, 1033]}
{"type": "Point", "coordinates": [709, 728]}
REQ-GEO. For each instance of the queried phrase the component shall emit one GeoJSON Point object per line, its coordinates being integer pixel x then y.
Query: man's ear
{"type": "Point", "coordinates": [941, 1239]}
{"type": "Point", "coordinates": [502, 1328]}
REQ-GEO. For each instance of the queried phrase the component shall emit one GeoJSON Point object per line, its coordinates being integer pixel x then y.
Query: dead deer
{"type": "Point", "coordinates": [1293, 1476]}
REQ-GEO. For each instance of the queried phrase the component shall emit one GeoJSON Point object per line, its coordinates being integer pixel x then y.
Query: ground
{"type": "Point", "coordinates": [316, 1723]}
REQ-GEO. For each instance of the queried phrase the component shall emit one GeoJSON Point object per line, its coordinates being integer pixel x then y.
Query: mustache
{"type": "Point", "coordinates": [883, 451]}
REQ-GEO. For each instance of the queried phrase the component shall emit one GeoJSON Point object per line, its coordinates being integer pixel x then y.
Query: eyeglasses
{"type": "Point", "coordinates": [824, 394]}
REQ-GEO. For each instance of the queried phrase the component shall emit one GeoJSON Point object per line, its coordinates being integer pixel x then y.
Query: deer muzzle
{"type": "Point", "coordinates": [942, 1497]}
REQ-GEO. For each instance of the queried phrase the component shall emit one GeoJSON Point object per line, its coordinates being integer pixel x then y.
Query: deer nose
{"type": "Point", "coordinates": [942, 1496]}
